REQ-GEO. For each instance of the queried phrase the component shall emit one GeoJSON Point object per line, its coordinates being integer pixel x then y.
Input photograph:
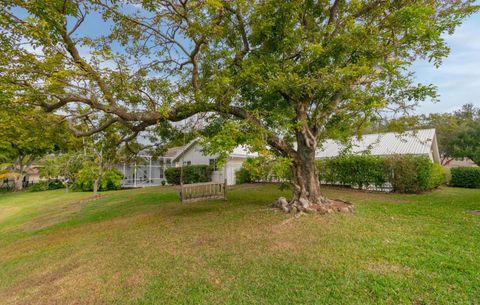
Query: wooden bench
{"type": "Point", "coordinates": [203, 191]}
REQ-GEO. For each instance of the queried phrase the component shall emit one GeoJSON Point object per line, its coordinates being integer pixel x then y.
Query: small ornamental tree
{"type": "Point", "coordinates": [285, 74]}
{"type": "Point", "coordinates": [101, 155]}
{"type": "Point", "coordinates": [64, 166]}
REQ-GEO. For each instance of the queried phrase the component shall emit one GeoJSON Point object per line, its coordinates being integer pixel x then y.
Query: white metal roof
{"type": "Point", "coordinates": [242, 151]}
{"type": "Point", "coordinates": [418, 142]}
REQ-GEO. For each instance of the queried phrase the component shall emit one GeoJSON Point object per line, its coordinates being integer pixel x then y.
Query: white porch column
{"type": "Point", "coordinates": [150, 172]}
{"type": "Point", "coordinates": [123, 178]}
{"type": "Point", "coordinates": [135, 175]}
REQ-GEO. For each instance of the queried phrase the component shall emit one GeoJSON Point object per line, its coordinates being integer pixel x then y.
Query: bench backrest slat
{"type": "Point", "coordinates": [202, 191]}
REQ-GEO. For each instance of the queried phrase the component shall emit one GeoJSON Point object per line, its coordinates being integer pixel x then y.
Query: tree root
{"type": "Point", "coordinates": [303, 205]}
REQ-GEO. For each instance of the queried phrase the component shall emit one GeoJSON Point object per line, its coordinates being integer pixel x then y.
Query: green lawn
{"type": "Point", "coordinates": [144, 247]}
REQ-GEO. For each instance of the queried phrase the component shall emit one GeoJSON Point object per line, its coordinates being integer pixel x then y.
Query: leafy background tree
{"type": "Point", "coordinates": [285, 74]}
{"type": "Point", "coordinates": [466, 144]}
{"type": "Point", "coordinates": [456, 131]}
{"type": "Point", "coordinates": [27, 134]}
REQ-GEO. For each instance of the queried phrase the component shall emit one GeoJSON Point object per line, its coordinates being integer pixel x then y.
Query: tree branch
{"type": "Point", "coordinates": [92, 131]}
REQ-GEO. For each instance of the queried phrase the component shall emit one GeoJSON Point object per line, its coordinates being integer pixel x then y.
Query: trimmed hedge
{"type": "Point", "coordinates": [191, 174]}
{"type": "Point", "coordinates": [409, 174]}
{"type": "Point", "coordinates": [353, 170]}
{"type": "Point", "coordinates": [468, 177]}
{"type": "Point", "coordinates": [406, 174]}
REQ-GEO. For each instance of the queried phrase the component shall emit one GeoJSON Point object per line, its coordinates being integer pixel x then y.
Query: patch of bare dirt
{"type": "Point", "coordinates": [7, 212]}
{"type": "Point", "coordinates": [283, 245]}
{"type": "Point", "coordinates": [387, 268]}
{"type": "Point", "coordinates": [40, 282]}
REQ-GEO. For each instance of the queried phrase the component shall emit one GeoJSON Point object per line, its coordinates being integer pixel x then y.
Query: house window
{"type": "Point", "coordinates": [187, 162]}
{"type": "Point", "coordinates": [213, 164]}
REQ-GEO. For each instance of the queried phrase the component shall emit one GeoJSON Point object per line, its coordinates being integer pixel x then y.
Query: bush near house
{"type": "Point", "coordinates": [111, 180]}
{"type": "Point", "coordinates": [191, 174]}
{"type": "Point", "coordinates": [264, 169]}
{"type": "Point", "coordinates": [406, 173]}
{"type": "Point", "coordinates": [468, 177]}
{"type": "Point", "coordinates": [46, 186]}
{"type": "Point", "coordinates": [353, 170]}
{"type": "Point", "coordinates": [438, 176]}
{"type": "Point", "coordinates": [242, 176]}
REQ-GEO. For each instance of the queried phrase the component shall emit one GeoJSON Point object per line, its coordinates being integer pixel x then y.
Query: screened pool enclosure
{"type": "Point", "coordinates": [146, 171]}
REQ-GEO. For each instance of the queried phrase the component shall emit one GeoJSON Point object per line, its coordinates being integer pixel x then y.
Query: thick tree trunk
{"type": "Point", "coordinates": [18, 184]}
{"type": "Point", "coordinates": [307, 195]}
{"type": "Point", "coordinates": [306, 183]}
{"type": "Point", "coordinates": [19, 168]}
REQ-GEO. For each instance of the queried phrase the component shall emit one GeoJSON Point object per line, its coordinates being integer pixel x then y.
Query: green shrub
{"type": "Point", "coordinates": [110, 180]}
{"type": "Point", "coordinates": [265, 168]}
{"type": "Point", "coordinates": [40, 186]}
{"type": "Point", "coordinates": [406, 174]}
{"type": "Point", "coordinates": [410, 174]}
{"type": "Point", "coordinates": [191, 174]}
{"type": "Point", "coordinates": [242, 176]}
{"type": "Point", "coordinates": [448, 174]}
{"type": "Point", "coordinates": [358, 171]}
{"type": "Point", "coordinates": [45, 186]}
{"type": "Point", "coordinates": [465, 177]}
{"type": "Point", "coordinates": [438, 176]}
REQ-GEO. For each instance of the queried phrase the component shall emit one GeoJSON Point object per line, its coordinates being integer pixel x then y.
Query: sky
{"type": "Point", "coordinates": [458, 78]}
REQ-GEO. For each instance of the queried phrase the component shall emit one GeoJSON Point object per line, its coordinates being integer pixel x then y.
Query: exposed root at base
{"type": "Point", "coordinates": [304, 206]}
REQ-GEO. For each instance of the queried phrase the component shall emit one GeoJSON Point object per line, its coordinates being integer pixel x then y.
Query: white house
{"type": "Point", "coordinates": [151, 171]}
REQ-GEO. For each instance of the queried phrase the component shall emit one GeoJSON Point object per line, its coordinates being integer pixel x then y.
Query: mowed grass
{"type": "Point", "coordinates": [144, 247]}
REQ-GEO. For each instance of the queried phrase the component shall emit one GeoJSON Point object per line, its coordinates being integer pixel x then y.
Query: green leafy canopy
{"type": "Point", "coordinates": [283, 71]}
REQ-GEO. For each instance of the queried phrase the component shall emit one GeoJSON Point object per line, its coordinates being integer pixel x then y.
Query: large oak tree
{"type": "Point", "coordinates": [288, 73]}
